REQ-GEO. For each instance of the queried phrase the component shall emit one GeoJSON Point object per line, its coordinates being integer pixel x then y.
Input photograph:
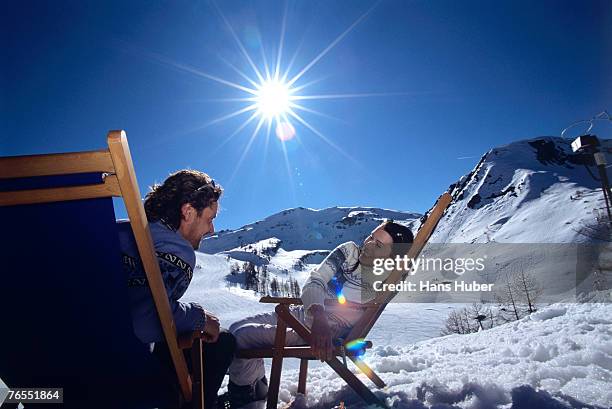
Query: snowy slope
{"type": "Point", "coordinates": [563, 353]}
{"type": "Point", "coordinates": [210, 289]}
{"type": "Point", "coordinates": [560, 357]}
{"type": "Point", "coordinates": [230, 304]}
{"type": "Point", "coordinates": [532, 191]}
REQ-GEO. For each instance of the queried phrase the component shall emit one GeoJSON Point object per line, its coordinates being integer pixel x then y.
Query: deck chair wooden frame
{"type": "Point", "coordinates": [120, 181]}
{"type": "Point", "coordinates": [371, 313]}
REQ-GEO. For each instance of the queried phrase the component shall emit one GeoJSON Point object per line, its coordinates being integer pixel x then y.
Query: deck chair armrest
{"type": "Point", "coordinates": [193, 341]}
{"type": "Point", "coordinates": [298, 301]}
{"type": "Point", "coordinates": [281, 300]}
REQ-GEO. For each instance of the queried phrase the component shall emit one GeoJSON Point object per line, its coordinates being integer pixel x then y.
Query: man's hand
{"type": "Point", "coordinates": [211, 328]}
{"type": "Point", "coordinates": [321, 339]}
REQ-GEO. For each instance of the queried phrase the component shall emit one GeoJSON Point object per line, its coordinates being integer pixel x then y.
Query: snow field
{"type": "Point", "coordinates": [561, 351]}
{"type": "Point", "coordinates": [566, 350]}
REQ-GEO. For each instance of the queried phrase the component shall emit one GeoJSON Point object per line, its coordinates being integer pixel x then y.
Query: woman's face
{"type": "Point", "coordinates": [376, 245]}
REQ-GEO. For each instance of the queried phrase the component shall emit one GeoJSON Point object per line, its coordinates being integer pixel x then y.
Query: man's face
{"type": "Point", "coordinates": [376, 245]}
{"type": "Point", "coordinates": [193, 226]}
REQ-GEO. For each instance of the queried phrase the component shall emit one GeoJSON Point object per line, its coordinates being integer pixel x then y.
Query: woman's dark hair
{"type": "Point", "coordinates": [164, 201]}
{"type": "Point", "coordinates": [398, 232]}
{"type": "Point", "coordinates": [402, 240]}
{"type": "Point", "coordinates": [402, 237]}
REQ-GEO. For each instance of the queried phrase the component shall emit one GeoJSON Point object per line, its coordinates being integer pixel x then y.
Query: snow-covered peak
{"type": "Point", "coordinates": [306, 229]}
{"type": "Point", "coordinates": [531, 191]}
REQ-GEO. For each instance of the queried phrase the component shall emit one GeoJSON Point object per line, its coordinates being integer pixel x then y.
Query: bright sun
{"type": "Point", "coordinates": [273, 99]}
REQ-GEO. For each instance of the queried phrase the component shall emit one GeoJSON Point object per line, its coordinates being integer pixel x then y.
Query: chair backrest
{"type": "Point", "coordinates": [63, 292]}
{"type": "Point", "coordinates": [377, 306]}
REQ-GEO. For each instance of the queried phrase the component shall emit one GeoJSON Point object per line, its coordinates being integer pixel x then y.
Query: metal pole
{"type": "Point", "coordinates": [600, 161]}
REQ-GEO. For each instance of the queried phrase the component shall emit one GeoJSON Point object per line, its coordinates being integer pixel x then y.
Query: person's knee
{"type": "Point", "coordinates": [244, 336]}
{"type": "Point", "coordinates": [227, 341]}
{"type": "Point", "coordinates": [233, 327]}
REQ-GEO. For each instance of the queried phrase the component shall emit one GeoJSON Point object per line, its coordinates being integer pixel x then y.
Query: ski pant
{"type": "Point", "coordinates": [258, 331]}
{"type": "Point", "coordinates": [217, 358]}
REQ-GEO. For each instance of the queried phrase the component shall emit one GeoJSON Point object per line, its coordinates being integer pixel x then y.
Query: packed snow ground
{"type": "Point", "coordinates": [565, 350]}
{"type": "Point", "coordinates": [560, 357]}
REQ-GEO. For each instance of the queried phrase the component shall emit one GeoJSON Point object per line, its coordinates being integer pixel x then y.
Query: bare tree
{"type": "Point", "coordinates": [453, 324]}
{"type": "Point", "coordinates": [527, 289]}
{"type": "Point", "coordinates": [600, 281]}
{"type": "Point", "coordinates": [466, 320]}
{"type": "Point", "coordinates": [508, 301]}
{"type": "Point", "coordinates": [491, 318]}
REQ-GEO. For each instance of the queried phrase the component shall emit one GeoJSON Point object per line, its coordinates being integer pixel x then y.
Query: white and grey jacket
{"type": "Point", "coordinates": [339, 272]}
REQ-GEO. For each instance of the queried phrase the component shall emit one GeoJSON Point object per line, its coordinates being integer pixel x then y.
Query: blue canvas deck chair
{"type": "Point", "coordinates": [63, 292]}
{"type": "Point", "coordinates": [371, 312]}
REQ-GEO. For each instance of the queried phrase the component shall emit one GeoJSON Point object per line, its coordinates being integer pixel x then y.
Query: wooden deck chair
{"type": "Point", "coordinates": [64, 309]}
{"type": "Point", "coordinates": [371, 313]}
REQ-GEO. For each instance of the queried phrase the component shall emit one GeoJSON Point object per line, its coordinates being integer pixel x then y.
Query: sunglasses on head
{"type": "Point", "coordinates": [209, 185]}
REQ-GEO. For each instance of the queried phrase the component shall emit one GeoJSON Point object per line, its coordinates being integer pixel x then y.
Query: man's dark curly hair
{"type": "Point", "coordinates": [163, 203]}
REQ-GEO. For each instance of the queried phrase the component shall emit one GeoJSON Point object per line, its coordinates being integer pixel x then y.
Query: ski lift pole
{"type": "Point", "coordinates": [600, 161]}
{"type": "Point", "coordinates": [588, 143]}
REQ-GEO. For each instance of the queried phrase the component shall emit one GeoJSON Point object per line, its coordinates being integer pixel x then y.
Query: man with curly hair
{"type": "Point", "coordinates": [180, 212]}
{"type": "Point", "coordinates": [339, 273]}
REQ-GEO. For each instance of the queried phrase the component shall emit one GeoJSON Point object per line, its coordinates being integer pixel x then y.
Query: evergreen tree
{"type": "Point", "coordinates": [274, 288]}
{"type": "Point", "coordinates": [251, 280]}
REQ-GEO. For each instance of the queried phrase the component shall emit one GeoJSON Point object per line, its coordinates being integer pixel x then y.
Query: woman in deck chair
{"type": "Point", "coordinates": [339, 273]}
{"type": "Point", "coordinates": [180, 211]}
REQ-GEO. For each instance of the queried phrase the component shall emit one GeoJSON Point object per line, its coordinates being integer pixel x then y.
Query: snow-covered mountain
{"type": "Point", "coordinates": [531, 191]}
{"type": "Point", "coordinates": [308, 229]}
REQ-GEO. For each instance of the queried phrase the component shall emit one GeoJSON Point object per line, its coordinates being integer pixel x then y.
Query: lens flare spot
{"type": "Point", "coordinates": [341, 299]}
{"type": "Point", "coordinates": [285, 131]}
{"type": "Point", "coordinates": [356, 345]}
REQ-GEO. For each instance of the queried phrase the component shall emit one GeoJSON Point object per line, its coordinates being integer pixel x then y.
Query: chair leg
{"type": "Point", "coordinates": [277, 363]}
{"type": "Point", "coordinates": [197, 377]}
{"type": "Point", "coordinates": [354, 382]}
{"type": "Point", "coordinates": [369, 372]}
{"type": "Point", "coordinates": [341, 370]}
{"type": "Point", "coordinates": [303, 374]}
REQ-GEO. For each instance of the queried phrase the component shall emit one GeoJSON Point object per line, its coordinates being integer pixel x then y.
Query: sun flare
{"type": "Point", "coordinates": [272, 95]}
{"type": "Point", "coordinates": [273, 99]}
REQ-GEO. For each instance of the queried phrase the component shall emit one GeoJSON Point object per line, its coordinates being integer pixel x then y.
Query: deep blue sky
{"type": "Point", "coordinates": [473, 75]}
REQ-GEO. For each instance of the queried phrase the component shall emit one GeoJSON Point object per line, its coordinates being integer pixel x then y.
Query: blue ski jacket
{"type": "Point", "coordinates": [176, 261]}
